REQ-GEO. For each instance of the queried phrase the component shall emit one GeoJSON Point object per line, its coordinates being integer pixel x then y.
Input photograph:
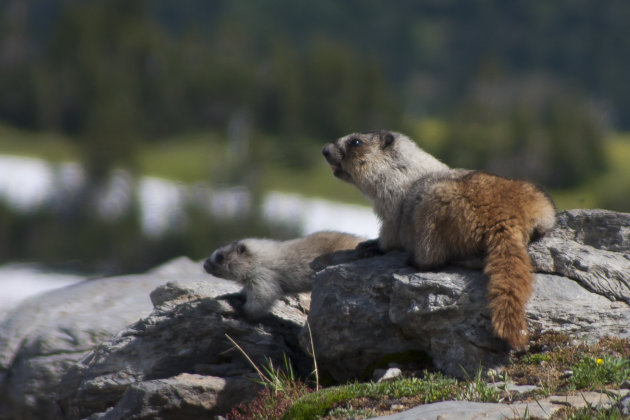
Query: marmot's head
{"type": "Point", "coordinates": [353, 155]}
{"type": "Point", "coordinates": [378, 160]}
{"type": "Point", "coordinates": [236, 261]}
{"type": "Point", "coordinates": [363, 158]}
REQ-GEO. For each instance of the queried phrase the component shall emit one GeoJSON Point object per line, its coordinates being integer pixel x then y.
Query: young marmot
{"type": "Point", "coordinates": [439, 214]}
{"type": "Point", "coordinates": [269, 269]}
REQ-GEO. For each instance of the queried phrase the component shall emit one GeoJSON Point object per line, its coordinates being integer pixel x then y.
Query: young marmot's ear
{"type": "Point", "coordinates": [387, 139]}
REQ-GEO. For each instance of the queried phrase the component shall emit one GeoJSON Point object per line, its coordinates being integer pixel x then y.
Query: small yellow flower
{"type": "Point", "coordinates": [599, 361]}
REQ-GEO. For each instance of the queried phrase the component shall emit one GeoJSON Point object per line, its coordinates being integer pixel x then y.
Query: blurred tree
{"type": "Point", "coordinates": [198, 60]}
{"type": "Point", "coordinates": [526, 128]}
{"type": "Point", "coordinates": [343, 92]}
{"type": "Point", "coordinates": [101, 55]}
{"type": "Point", "coordinates": [17, 94]}
{"type": "Point", "coordinates": [325, 92]}
{"type": "Point", "coordinates": [281, 98]}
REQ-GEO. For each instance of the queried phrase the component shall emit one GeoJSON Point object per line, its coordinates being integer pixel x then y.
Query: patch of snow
{"type": "Point", "coordinates": [312, 214]}
{"type": "Point", "coordinates": [160, 204]}
{"type": "Point", "coordinates": [25, 183]}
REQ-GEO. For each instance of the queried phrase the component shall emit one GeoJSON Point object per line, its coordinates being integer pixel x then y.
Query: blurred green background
{"type": "Point", "coordinates": [246, 92]}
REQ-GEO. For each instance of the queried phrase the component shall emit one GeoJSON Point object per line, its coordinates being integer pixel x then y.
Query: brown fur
{"type": "Point", "coordinates": [439, 214]}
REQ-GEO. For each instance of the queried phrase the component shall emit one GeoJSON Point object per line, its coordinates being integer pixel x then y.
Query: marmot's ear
{"type": "Point", "coordinates": [387, 139]}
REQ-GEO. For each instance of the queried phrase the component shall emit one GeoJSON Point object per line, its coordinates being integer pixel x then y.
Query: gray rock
{"type": "Point", "coordinates": [466, 410]}
{"type": "Point", "coordinates": [591, 247]}
{"type": "Point", "coordinates": [624, 405]}
{"type": "Point", "coordinates": [519, 389]}
{"type": "Point", "coordinates": [185, 396]}
{"type": "Point", "coordinates": [365, 311]}
{"type": "Point", "coordinates": [185, 333]}
{"type": "Point", "coordinates": [598, 400]}
{"type": "Point", "coordinates": [383, 375]}
{"type": "Point", "coordinates": [540, 408]}
{"type": "Point", "coordinates": [44, 335]}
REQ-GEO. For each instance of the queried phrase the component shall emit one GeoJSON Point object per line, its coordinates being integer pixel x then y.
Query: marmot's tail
{"type": "Point", "coordinates": [508, 267]}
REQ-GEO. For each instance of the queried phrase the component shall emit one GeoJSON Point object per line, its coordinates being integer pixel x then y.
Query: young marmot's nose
{"type": "Point", "coordinates": [215, 259]}
{"type": "Point", "coordinates": [207, 265]}
{"type": "Point", "coordinates": [325, 151]}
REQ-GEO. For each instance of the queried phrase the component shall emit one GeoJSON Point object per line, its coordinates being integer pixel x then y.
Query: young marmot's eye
{"type": "Point", "coordinates": [240, 249]}
{"type": "Point", "coordinates": [355, 142]}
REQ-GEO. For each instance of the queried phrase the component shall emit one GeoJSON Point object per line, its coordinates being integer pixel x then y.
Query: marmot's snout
{"type": "Point", "coordinates": [326, 151]}
{"type": "Point", "coordinates": [334, 155]}
{"type": "Point", "coordinates": [217, 257]}
{"type": "Point", "coordinates": [207, 265]}
{"type": "Point", "coordinates": [215, 260]}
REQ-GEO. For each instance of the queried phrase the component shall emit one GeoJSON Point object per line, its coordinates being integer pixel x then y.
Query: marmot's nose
{"type": "Point", "coordinates": [325, 151]}
{"type": "Point", "coordinates": [218, 257]}
{"type": "Point", "coordinates": [207, 265]}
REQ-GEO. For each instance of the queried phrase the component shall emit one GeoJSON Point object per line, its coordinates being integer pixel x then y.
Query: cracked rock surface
{"type": "Point", "coordinates": [42, 337]}
{"type": "Point", "coordinates": [185, 334]}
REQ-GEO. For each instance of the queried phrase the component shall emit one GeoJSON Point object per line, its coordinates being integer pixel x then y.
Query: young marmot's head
{"type": "Point", "coordinates": [237, 261]}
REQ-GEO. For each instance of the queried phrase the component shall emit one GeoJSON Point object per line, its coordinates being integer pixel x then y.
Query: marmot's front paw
{"type": "Point", "coordinates": [369, 248]}
{"type": "Point", "coordinates": [235, 300]}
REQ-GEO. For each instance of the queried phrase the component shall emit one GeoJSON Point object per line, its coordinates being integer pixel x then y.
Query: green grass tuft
{"type": "Point", "coordinates": [592, 373]}
{"type": "Point", "coordinates": [45, 145]}
{"type": "Point", "coordinates": [186, 158]}
{"type": "Point", "coordinates": [431, 388]}
{"type": "Point", "coordinates": [536, 358]}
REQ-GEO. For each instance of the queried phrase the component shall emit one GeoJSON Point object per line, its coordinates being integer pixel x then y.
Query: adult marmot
{"type": "Point", "coordinates": [437, 214]}
{"type": "Point", "coordinates": [269, 269]}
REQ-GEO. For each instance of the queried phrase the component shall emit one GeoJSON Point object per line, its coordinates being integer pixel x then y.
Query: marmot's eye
{"type": "Point", "coordinates": [355, 142]}
{"type": "Point", "coordinates": [240, 249]}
